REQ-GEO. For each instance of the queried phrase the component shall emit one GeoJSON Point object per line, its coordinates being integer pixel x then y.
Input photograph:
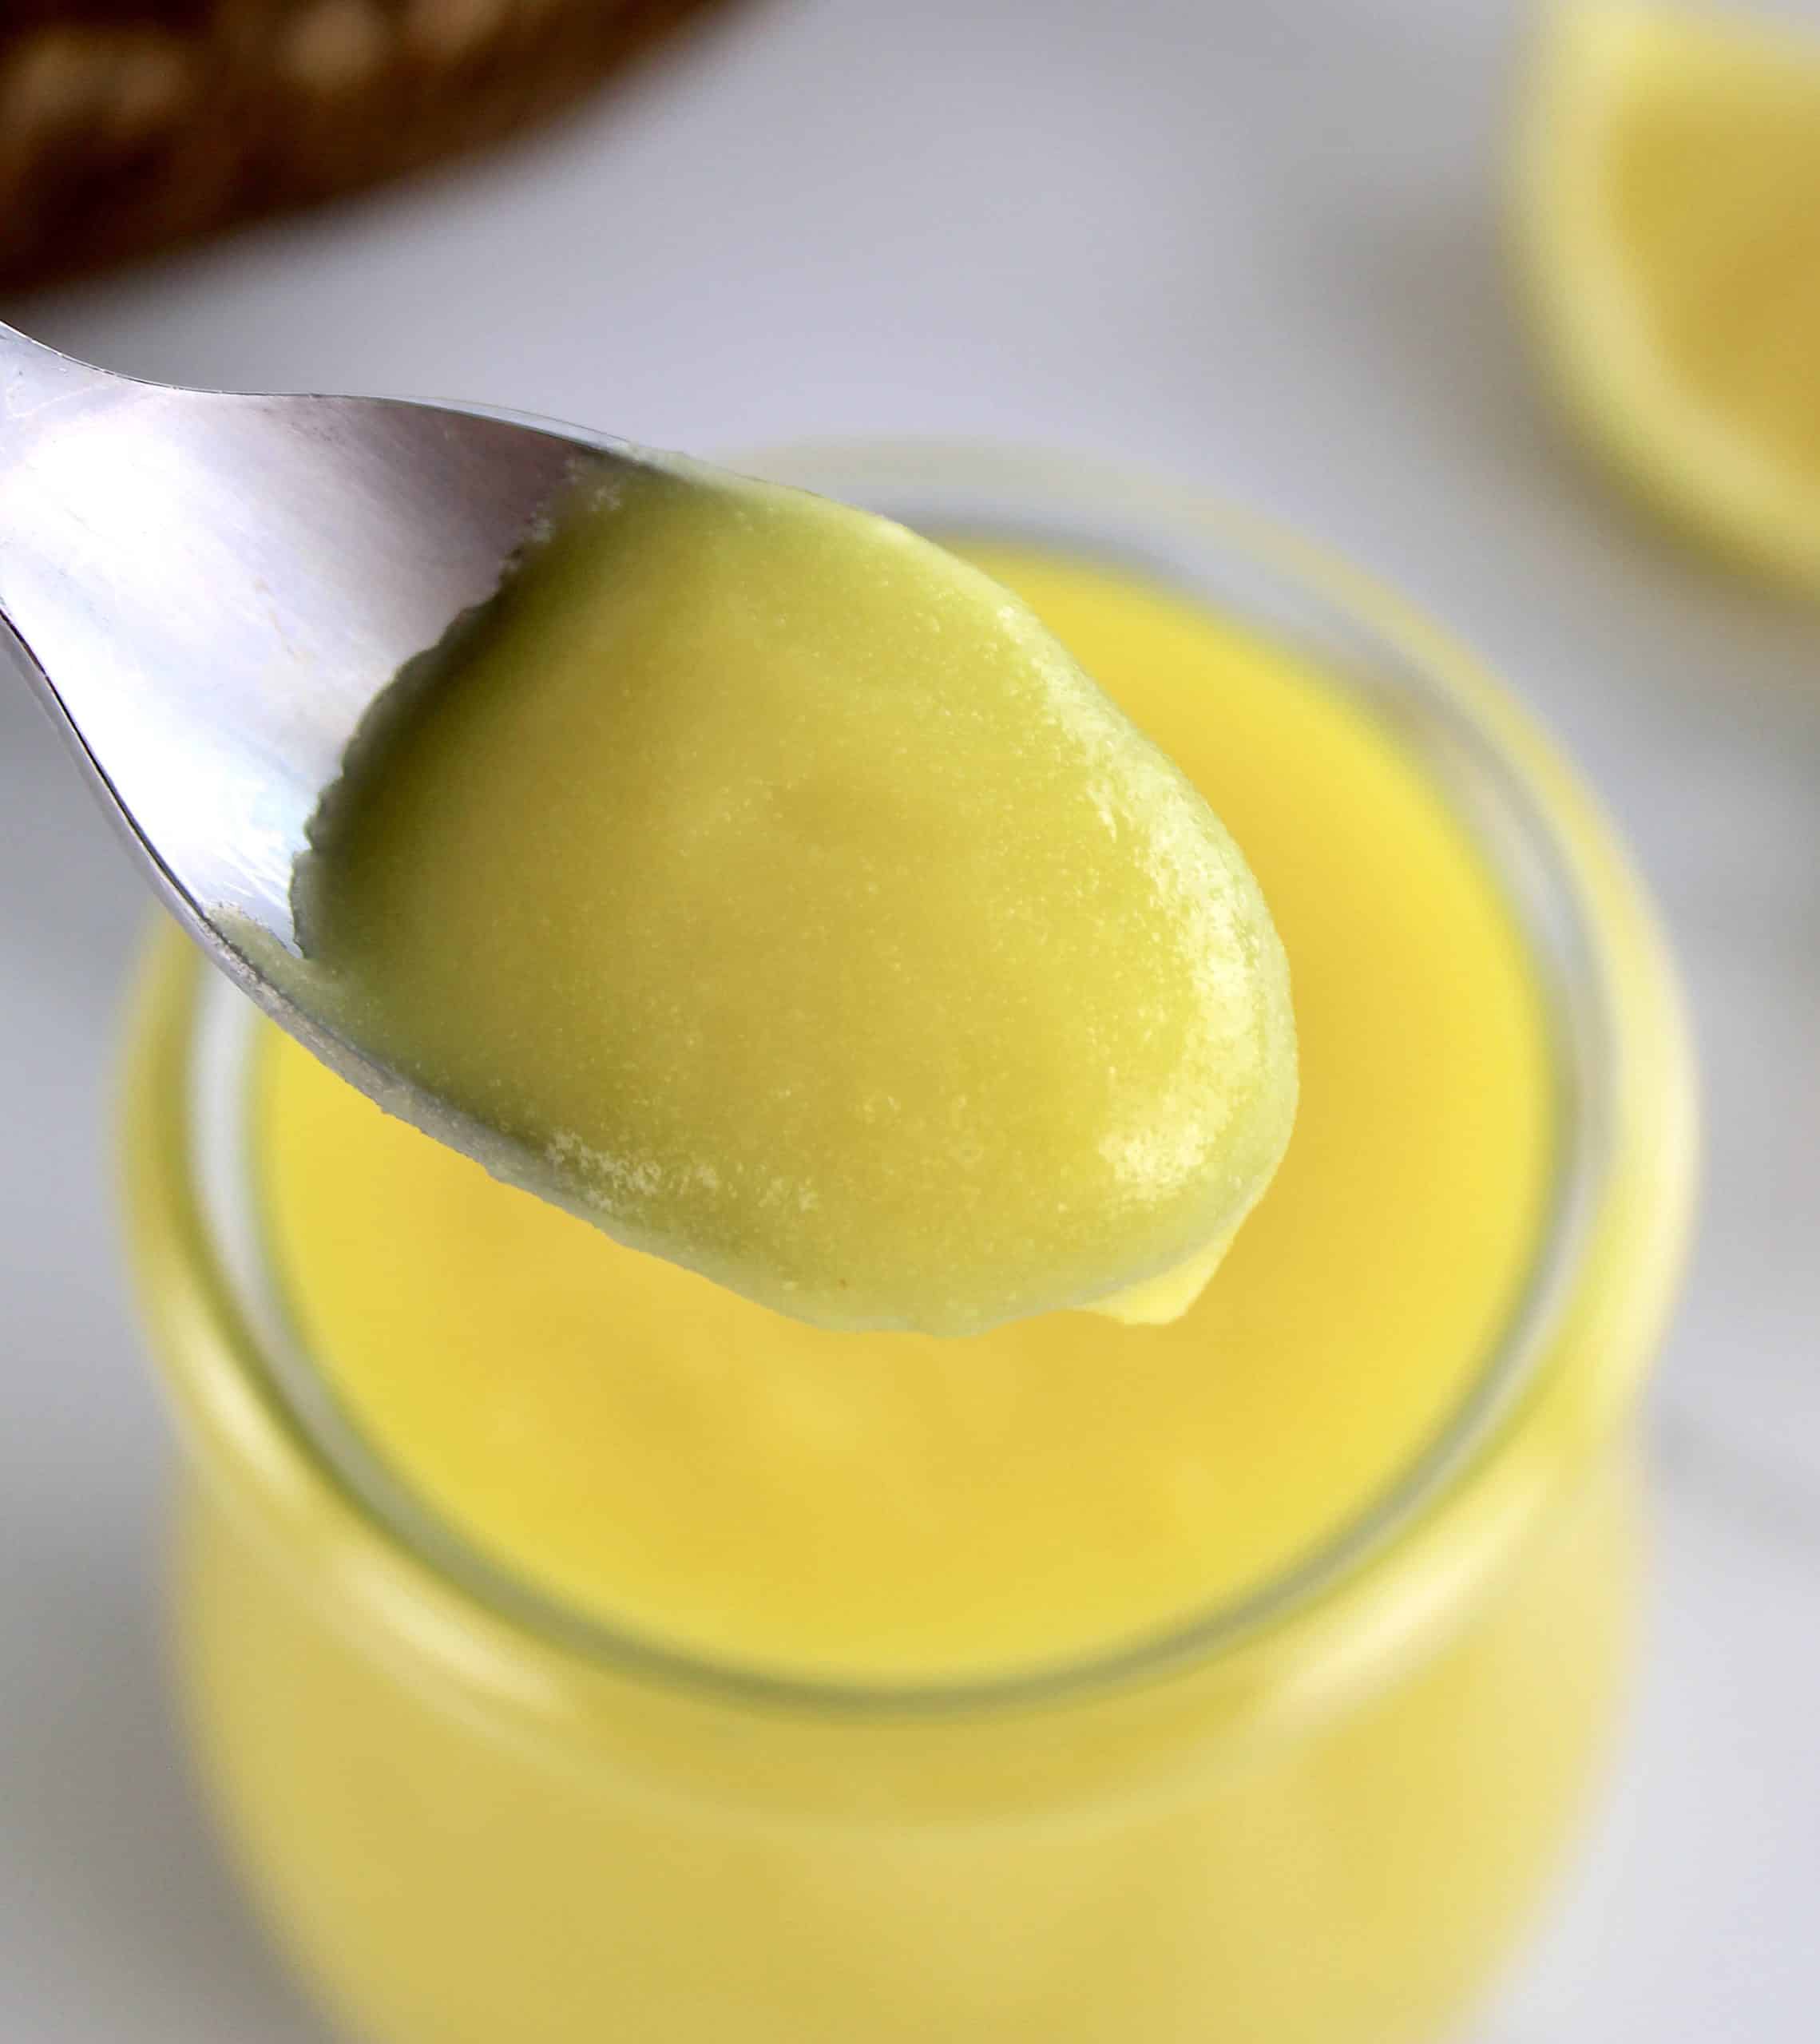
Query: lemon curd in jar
{"type": "Point", "coordinates": [682, 1462]}
{"type": "Point", "coordinates": [576, 1649]}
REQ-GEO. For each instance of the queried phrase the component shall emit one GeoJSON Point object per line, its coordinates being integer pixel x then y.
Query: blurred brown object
{"type": "Point", "coordinates": [128, 124]}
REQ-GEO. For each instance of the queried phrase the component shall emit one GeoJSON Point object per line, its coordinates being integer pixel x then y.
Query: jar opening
{"type": "Point", "coordinates": [1220, 561]}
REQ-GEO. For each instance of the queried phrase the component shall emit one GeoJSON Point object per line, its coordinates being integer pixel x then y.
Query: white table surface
{"type": "Point", "coordinates": [1253, 244]}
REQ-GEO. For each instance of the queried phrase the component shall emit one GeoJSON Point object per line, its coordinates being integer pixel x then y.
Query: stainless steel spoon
{"type": "Point", "coordinates": [209, 591]}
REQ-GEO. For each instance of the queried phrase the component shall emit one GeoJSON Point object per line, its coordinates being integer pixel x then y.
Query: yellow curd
{"type": "Point", "coordinates": [794, 907]}
{"type": "Point", "coordinates": [661, 1667]}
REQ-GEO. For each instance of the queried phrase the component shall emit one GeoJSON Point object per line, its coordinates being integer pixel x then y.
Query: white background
{"type": "Point", "coordinates": [1255, 243]}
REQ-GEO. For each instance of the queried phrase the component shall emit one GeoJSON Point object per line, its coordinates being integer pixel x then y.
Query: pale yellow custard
{"type": "Point", "coordinates": [778, 880]}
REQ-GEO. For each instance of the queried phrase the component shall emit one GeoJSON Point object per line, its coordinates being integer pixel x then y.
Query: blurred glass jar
{"type": "Point", "coordinates": [1321, 1817]}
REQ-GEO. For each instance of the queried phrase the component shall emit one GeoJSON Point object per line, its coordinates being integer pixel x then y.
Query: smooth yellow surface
{"type": "Point", "coordinates": [692, 1467]}
{"type": "Point", "coordinates": [779, 885]}
{"type": "Point", "coordinates": [1669, 211]}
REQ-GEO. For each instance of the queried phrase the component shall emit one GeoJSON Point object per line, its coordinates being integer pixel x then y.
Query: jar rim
{"type": "Point", "coordinates": [1506, 790]}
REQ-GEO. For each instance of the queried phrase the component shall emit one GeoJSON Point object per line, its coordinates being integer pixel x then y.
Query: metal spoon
{"type": "Point", "coordinates": [209, 591]}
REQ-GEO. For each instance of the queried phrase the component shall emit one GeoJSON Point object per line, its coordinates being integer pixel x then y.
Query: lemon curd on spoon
{"type": "Point", "coordinates": [779, 885]}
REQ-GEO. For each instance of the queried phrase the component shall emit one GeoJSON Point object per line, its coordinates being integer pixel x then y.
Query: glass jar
{"type": "Point", "coordinates": [1319, 1817]}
